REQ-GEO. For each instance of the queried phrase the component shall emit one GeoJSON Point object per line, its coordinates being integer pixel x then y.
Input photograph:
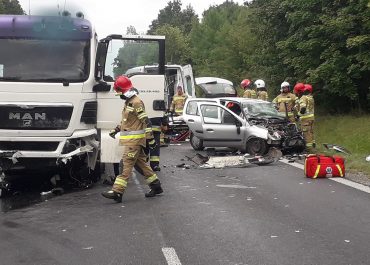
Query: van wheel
{"type": "Point", "coordinates": [196, 143]}
{"type": "Point", "coordinates": [256, 146]}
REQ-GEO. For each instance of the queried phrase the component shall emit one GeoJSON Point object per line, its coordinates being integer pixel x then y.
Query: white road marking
{"type": "Point", "coordinates": [339, 180]}
{"type": "Point", "coordinates": [236, 186]}
{"type": "Point", "coordinates": [171, 256]}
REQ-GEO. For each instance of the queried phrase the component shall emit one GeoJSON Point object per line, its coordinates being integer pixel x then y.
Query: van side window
{"type": "Point", "coordinates": [192, 108]}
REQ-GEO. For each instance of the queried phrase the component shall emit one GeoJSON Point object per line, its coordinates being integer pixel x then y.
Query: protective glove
{"type": "Point", "coordinates": [303, 110]}
{"type": "Point", "coordinates": [151, 143]}
{"type": "Point", "coordinates": [113, 132]}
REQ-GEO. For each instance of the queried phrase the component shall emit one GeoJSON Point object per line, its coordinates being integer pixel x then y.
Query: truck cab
{"type": "Point", "coordinates": [57, 102]}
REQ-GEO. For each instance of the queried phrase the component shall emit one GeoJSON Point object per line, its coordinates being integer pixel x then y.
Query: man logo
{"type": "Point", "coordinates": [27, 116]}
{"type": "Point", "coordinates": [27, 123]}
{"type": "Point", "coordinates": [329, 170]}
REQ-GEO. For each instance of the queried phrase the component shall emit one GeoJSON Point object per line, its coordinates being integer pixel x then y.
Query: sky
{"type": "Point", "coordinates": [114, 16]}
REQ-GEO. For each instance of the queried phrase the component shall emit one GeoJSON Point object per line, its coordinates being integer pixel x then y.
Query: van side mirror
{"type": "Point", "coordinates": [159, 105]}
{"type": "Point", "coordinates": [102, 87]}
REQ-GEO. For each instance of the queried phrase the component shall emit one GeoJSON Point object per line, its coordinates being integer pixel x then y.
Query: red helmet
{"type": "Point", "coordinates": [308, 87]}
{"type": "Point", "coordinates": [245, 83]}
{"type": "Point", "coordinates": [298, 88]}
{"type": "Point", "coordinates": [122, 84]}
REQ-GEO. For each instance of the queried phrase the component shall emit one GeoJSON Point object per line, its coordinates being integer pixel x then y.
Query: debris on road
{"type": "Point", "coordinates": [337, 148]}
{"type": "Point", "coordinates": [231, 160]}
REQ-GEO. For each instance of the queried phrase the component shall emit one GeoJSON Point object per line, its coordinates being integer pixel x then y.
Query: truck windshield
{"type": "Point", "coordinates": [30, 60]}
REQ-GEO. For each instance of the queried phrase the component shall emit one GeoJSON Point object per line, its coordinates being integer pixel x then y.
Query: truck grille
{"type": "Point", "coordinates": [28, 146]}
{"type": "Point", "coordinates": [35, 117]}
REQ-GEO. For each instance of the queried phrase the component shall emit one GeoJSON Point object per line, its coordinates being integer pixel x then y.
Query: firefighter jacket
{"type": "Point", "coordinates": [307, 103]}
{"type": "Point", "coordinates": [285, 102]}
{"type": "Point", "coordinates": [262, 95]}
{"type": "Point", "coordinates": [135, 125]}
{"type": "Point", "coordinates": [250, 93]}
{"type": "Point", "coordinates": [178, 103]}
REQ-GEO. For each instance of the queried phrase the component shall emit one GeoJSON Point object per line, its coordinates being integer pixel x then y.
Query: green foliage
{"type": "Point", "coordinates": [322, 42]}
{"type": "Point", "coordinates": [351, 132]}
{"type": "Point", "coordinates": [173, 15]}
{"type": "Point", "coordinates": [219, 41]}
{"type": "Point", "coordinates": [177, 44]}
{"type": "Point", "coordinates": [11, 7]}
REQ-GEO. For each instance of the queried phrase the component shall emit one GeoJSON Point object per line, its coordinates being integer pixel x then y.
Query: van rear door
{"type": "Point", "coordinates": [189, 80]}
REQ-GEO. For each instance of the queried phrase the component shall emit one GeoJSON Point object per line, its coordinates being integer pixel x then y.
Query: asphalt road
{"type": "Point", "coordinates": [256, 215]}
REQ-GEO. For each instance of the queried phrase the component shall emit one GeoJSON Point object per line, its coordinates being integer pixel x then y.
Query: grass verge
{"type": "Point", "coordinates": [351, 132]}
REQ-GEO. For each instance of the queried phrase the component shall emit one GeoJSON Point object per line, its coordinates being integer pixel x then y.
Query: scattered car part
{"type": "Point", "coordinates": [337, 148]}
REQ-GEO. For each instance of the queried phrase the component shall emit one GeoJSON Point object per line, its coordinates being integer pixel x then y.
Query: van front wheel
{"type": "Point", "coordinates": [257, 146]}
{"type": "Point", "coordinates": [196, 143]}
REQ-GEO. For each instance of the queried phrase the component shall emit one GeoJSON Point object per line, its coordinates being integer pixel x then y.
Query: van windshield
{"type": "Point", "coordinates": [261, 109]}
{"type": "Point", "coordinates": [31, 60]}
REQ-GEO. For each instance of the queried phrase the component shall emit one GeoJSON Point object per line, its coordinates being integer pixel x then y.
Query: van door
{"type": "Point", "coordinates": [220, 126]}
{"type": "Point", "coordinates": [192, 118]}
{"type": "Point", "coordinates": [117, 55]}
{"type": "Point", "coordinates": [189, 80]}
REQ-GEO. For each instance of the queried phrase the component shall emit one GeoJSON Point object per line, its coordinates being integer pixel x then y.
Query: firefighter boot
{"type": "Point", "coordinates": [155, 188]}
{"type": "Point", "coordinates": [112, 195]}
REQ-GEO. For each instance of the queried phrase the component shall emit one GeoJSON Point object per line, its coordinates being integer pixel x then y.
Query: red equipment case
{"type": "Point", "coordinates": [322, 166]}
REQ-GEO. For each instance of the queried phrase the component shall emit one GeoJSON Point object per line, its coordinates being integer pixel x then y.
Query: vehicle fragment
{"type": "Point", "coordinates": [337, 148]}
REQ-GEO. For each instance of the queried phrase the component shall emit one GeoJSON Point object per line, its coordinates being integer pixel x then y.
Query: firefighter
{"type": "Point", "coordinates": [307, 116]}
{"type": "Point", "coordinates": [298, 92]}
{"type": "Point", "coordinates": [285, 101]}
{"type": "Point", "coordinates": [135, 135]}
{"type": "Point", "coordinates": [261, 90]}
{"type": "Point", "coordinates": [249, 92]}
{"type": "Point", "coordinates": [159, 125]}
{"type": "Point", "coordinates": [178, 102]}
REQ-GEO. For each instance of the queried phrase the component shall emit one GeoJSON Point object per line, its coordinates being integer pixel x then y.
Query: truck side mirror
{"type": "Point", "coordinates": [102, 87]}
{"type": "Point", "coordinates": [159, 105]}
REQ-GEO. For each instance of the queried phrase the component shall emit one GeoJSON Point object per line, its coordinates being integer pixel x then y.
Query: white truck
{"type": "Point", "coordinates": [57, 102]}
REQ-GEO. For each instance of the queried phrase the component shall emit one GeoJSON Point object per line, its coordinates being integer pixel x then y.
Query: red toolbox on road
{"type": "Point", "coordinates": [322, 166]}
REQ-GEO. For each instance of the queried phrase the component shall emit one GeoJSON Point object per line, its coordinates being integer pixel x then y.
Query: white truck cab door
{"type": "Point", "coordinates": [221, 127]}
{"type": "Point", "coordinates": [189, 80]}
{"type": "Point", "coordinates": [117, 55]}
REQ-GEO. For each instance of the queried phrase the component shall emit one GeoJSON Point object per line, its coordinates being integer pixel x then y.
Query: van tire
{"type": "Point", "coordinates": [196, 143]}
{"type": "Point", "coordinates": [257, 146]}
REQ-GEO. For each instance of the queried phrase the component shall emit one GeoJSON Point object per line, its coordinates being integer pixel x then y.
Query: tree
{"type": "Point", "coordinates": [220, 42]}
{"type": "Point", "coordinates": [177, 44]}
{"type": "Point", "coordinates": [11, 7]}
{"type": "Point", "coordinates": [174, 16]}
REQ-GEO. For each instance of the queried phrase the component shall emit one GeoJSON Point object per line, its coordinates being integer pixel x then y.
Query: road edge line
{"type": "Point", "coordinates": [343, 181]}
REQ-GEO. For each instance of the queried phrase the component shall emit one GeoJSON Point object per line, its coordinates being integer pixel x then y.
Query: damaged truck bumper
{"type": "Point", "coordinates": [57, 149]}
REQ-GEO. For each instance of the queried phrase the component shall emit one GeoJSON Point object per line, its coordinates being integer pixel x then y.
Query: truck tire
{"type": "Point", "coordinates": [196, 143]}
{"type": "Point", "coordinates": [257, 146]}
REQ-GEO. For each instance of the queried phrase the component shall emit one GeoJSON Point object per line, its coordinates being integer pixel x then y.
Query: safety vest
{"type": "Point", "coordinates": [250, 93]}
{"type": "Point", "coordinates": [133, 125]}
{"type": "Point", "coordinates": [262, 95]}
{"type": "Point", "coordinates": [178, 103]}
{"type": "Point", "coordinates": [285, 100]}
